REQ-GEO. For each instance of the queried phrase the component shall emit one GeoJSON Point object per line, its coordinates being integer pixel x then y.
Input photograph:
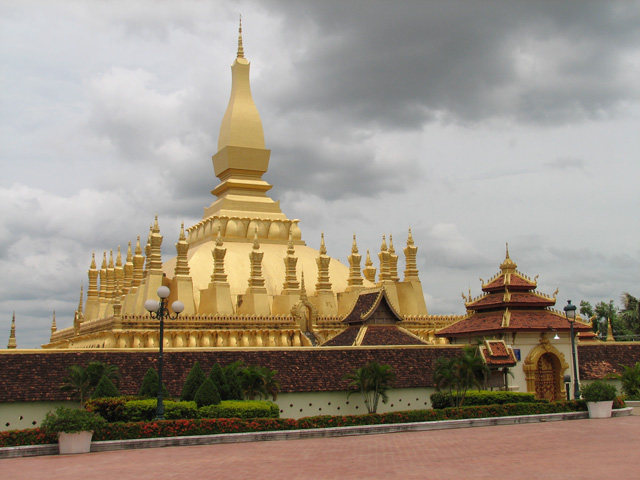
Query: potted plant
{"type": "Point", "coordinates": [599, 396]}
{"type": "Point", "coordinates": [75, 427]}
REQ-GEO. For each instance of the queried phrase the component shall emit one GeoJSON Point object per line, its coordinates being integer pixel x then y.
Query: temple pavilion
{"type": "Point", "coordinates": [244, 273]}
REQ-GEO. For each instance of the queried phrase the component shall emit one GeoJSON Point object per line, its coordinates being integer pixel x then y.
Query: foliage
{"type": "Point", "coordinates": [630, 379]}
{"type": "Point", "coordinates": [149, 387]}
{"type": "Point", "coordinates": [630, 313]}
{"type": "Point", "coordinates": [211, 426]}
{"type": "Point", "coordinates": [599, 391]}
{"type": "Point", "coordinates": [217, 377]}
{"type": "Point", "coordinates": [105, 389]}
{"type": "Point", "coordinates": [111, 409]}
{"type": "Point", "coordinates": [372, 381]}
{"type": "Point", "coordinates": [80, 381]}
{"type": "Point", "coordinates": [233, 388]}
{"type": "Point", "coordinates": [140, 410]}
{"type": "Point", "coordinates": [71, 420]}
{"type": "Point", "coordinates": [241, 409]}
{"type": "Point", "coordinates": [194, 380]}
{"type": "Point", "coordinates": [259, 382]}
{"type": "Point", "coordinates": [207, 394]}
{"type": "Point", "coordinates": [482, 397]}
{"type": "Point", "coordinates": [457, 375]}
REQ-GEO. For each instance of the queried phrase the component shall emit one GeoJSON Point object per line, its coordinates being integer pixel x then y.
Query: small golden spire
{"type": "Point", "coordinates": [119, 258]}
{"type": "Point", "coordinates": [12, 335]}
{"type": "Point", "coordinates": [507, 250]}
{"type": "Point", "coordinates": [138, 247]}
{"type": "Point", "coordinates": [354, 245]}
{"type": "Point", "coordinates": [219, 237]}
{"type": "Point", "coordinates": [93, 261]}
{"type": "Point", "coordinates": [54, 327]}
{"type": "Point", "coordinates": [410, 239]}
{"type": "Point", "coordinates": [256, 244]}
{"type": "Point", "coordinates": [110, 258]}
{"type": "Point", "coordinates": [383, 247]}
{"type": "Point", "coordinates": [303, 290]}
{"type": "Point", "coordinates": [182, 236]}
{"type": "Point", "coordinates": [81, 297]}
{"type": "Point", "coordinates": [323, 248]}
{"type": "Point", "coordinates": [156, 227]}
{"type": "Point", "coordinates": [104, 260]}
{"type": "Point", "coordinates": [129, 255]}
{"type": "Point", "coordinates": [240, 47]}
{"type": "Point", "coordinates": [391, 249]}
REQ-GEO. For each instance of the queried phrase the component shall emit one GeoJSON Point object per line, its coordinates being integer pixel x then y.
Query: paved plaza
{"type": "Point", "coordinates": [575, 449]}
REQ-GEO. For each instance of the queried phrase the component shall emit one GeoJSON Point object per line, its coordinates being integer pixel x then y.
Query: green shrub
{"type": "Point", "coordinates": [194, 380]}
{"type": "Point", "coordinates": [149, 388]}
{"type": "Point", "coordinates": [482, 397]}
{"type": "Point", "coordinates": [207, 394]}
{"type": "Point", "coordinates": [111, 409]}
{"type": "Point", "coordinates": [105, 389]}
{"type": "Point", "coordinates": [71, 420]}
{"type": "Point", "coordinates": [217, 377]}
{"type": "Point", "coordinates": [599, 391]}
{"type": "Point", "coordinates": [630, 380]}
{"type": "Point", "coordinates": [233, 390]}
{"type": "Point", "coordinates": [145, 410]}
{"type": "Point", "coordinates": [240, 409]}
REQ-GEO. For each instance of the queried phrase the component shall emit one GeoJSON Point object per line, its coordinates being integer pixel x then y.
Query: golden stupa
{"type": "Point", "coordinates": [241, 270]}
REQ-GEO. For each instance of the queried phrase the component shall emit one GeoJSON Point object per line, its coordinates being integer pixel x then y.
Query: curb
{"type": "Point", "coordinates": [111, 445]}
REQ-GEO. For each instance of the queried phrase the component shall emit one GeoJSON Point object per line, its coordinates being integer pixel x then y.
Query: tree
{"type": "Point", "coordinates": [217, 377]}
{"type": "Point", "coordinates": [149, 387]}
{"type": "Point", "coordinates": [457, 375]}
{"type": "Point", "coordinates": [259, 382]}
{"type": "Point", "coordinates": [372, 381]}
{"type": "Point", "coordinates": [194, 380]}
{"type": "Point", "coordinates": [80, 381]}
{"type": "Point", "coordinates": [76, 384]}
{"type": "Point", "coordinates": [630, 313]}
{"type": "Point", "coordinates": [207, 394]}
{"type": "Point", "coordinates": [586, 310]}
{"type": "Point", "coordinates": [630, 380]}
{"type": "Point", "coordinates": [105, 389]}
{"type": "Point", "coordinates": [232, 375]}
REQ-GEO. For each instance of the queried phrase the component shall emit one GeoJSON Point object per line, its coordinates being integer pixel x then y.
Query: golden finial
{"type": "Point", "coordinates": [323, 248]}
{"type": "Point", "coordinates": [256, 244]}
{"type": "Point", "coordinates": [354, 246]}
{"type": "Point", "coordinates": [410, 238]}
{"type": "Point", "coordinates": [93, 261]}
{"type": "Point", "coordinates": [12, 335]}
{"type": "Point", "coordinates": [182, 237]}
{"type": "Point", "coordinates": [54, 327]}
{"type": "Point", "coordinates": [138, 247]}
{"type": "Point", "coordinates": [383, 247]}
{"type": "Point", "coordinates": [111, 258]}
{"type": "Point", "coordinates": [156, 228]}
{"type": "Point", "coordinates": [119, 258]}
{"type": "Point", "coordinates": [368, 261]}
{"type": "Point", "coordinates": [391, 249]}
{"type": "Point", "coordinates": [104, 259]}
{"type": "Point", "coordinates": [240, 47]}
{"type": "Point", "coordinates": [290, 242]}
{"type": "Point", "coordinates": [81, 296]}
{"type": "Point", "coordinates": [129, 255]}
{"type": "Point", "coordinates": [303, 290]}
{"type": "Point", "coordinates": [219, 237]}
{"type": "Point", "coordinates": [507, 250]}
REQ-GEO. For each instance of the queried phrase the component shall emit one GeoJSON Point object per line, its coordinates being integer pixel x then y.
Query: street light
{"type": "Point", "coordinates": [570, 312]}
{"type": "Point", "coordinates": [158, 309]}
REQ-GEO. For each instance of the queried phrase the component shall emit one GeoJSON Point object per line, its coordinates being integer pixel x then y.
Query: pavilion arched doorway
{"type": "Point", "coordinates": [547, 377]}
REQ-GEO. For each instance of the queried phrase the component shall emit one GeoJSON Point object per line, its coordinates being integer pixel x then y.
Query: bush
{"type": "Point", "coordinates": [105, 389]}
{"type": "Point", "coordinates": [71, 420]}
{"type": "Point", "coordinates": [141, 410]}
{"type": "Point", "coordinates": [217, 377]}
{"type": "Point", "coordinates": [149, 388]}
{"type": "Point", "coordinates": [599, 391]}
{"type": "Point", "coordinates": [233, 390]}
{"type": "Point", "coordinates": [207, 394]}
{"type": "Point", "coordinates": [111, 409]}
{"type": "Point", "coordinates": [482, 397]}
{"type": "Point", "coordinates": [241, 409]}
{"type": "Point", "coordinates": [194, 380]}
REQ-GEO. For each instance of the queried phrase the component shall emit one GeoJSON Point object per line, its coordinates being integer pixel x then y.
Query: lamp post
{"type": "Point", "coordinates": [570, 312]}
{"type": "Point", "coordinates": [158, 309]}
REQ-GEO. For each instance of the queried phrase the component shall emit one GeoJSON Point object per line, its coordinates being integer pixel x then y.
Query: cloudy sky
{"type": "Point", "coordinates": [475, 123]}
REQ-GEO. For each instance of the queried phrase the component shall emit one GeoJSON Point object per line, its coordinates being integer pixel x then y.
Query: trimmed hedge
{"type": "Point", "coordinates": [111, 409]}
{"type": "Point", "coordinates": [141, 410]}
{"type": "Point", "coordinates": [211, 426]}
{"type": "Point", "coordinates": [240, 409]}
{"type": "Point", "coordinates": [482, 397]}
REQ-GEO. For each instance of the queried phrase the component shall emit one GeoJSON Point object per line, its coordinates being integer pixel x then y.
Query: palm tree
{"type": "Point", "coordinates": [444, 373]}
{"type": "Point", "coordinates": [253, 382]}
{"type": "Point", "coordinates": [630, 312]}
{"type": "Point", "coordinates": [630, 380]}
{"type": "Point", "coordinates": [95, 371]}
{"type": "Point", "coordinates": [76, 384]}
{"type": "Point", "coordinates": [372, 381]}
{"type": "Point", "coordinates": [457, 375]}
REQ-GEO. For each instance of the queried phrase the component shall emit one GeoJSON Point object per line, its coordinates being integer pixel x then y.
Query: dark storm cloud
{"type": "Point", "coordinates": [399, 64]}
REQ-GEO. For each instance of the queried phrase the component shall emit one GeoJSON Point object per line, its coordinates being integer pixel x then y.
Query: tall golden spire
{"type": "Point", "coordinates": [240, 47]}
{"type": "Point", "coordinates": [12, 335]}
{"type": "Point", "coordinates": [369, 270]}
{"type": "Point", "coordinates": [410, 253]}
{"type": "Point", "coordinates": [354, 282]}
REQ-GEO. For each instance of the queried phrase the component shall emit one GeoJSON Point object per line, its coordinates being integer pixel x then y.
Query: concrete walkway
{"type": "Point", "coordinates": [577, 449]}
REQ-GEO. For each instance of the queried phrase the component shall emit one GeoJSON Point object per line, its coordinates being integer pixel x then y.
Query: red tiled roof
{"type": "Point", "coordinates": [497, 354]}
{"type": "Point", "coordinates": [31, 377]}
{"type": "Point", "coordinates": [343, 339]}
{"type": "Point", "coordinates": [493, 300]}
{"type": "Point", "coordinates": [368, 306]}
{"type": "Point", "coordinates": [364, 304]}
{"type": "Point", "coordinates": [388, 335]}
{"type": "Point", "coordinates": [520, 320]}
{"type": "Point", "coordinates": [599, 359]}
{"type": "Point", "coordinates": [516, 282]}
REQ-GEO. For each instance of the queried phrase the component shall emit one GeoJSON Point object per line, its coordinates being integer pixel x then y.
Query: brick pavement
{"type": "Point", "coordinates": [576, 449]}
